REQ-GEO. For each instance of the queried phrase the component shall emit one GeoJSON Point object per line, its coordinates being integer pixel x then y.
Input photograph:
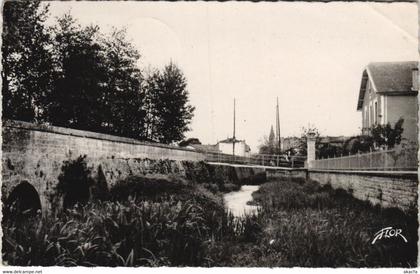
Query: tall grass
{"type": "Point", "coordinates": [160, 222]}
{"type": "Point", "coordinates": [310, 225]}
{"type": "Point", "coordinates": [137, 227]}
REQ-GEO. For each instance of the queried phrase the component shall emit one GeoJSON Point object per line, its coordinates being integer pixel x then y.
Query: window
{"type": "Point", "coordinates": [376, 113]}
{"type": "Point", "coordinates": [382, 109]}
{"type": "Point", "coordinates": [366, 117]}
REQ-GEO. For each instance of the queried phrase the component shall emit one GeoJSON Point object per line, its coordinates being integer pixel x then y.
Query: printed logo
{"type": "Point", "coordinates": [388, 232]}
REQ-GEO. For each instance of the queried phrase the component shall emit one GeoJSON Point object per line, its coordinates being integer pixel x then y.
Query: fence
{"type": "Point", "coordinates": [395, 159]}
{"type": "Point", "coordinates": [258, 159]}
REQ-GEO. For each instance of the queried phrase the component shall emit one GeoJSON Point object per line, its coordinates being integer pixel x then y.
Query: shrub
{"type": "Point", "coordinates": [228, 187]}
{"type": "Point", "coordinates": [74, 182]}
{"type": "Point", "coordinates": [146, 187]}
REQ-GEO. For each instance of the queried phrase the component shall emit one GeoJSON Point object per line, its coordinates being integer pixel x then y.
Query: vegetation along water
{"type": "Point", "coordinates": [173, 222]}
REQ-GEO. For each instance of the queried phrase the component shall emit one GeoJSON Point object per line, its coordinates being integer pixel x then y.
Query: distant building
{"type": "Point", "coordinates": [333, 140]}
{"type": "Point", "coordinates": [289, 143]}
{"type": "Point", "coordinates": [388, 92]}
{"type": "Point", "coordinates": [241, 148]}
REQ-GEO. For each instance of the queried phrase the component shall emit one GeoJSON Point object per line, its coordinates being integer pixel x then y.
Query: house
{"type": "Point", "coordinates": [388, 92]}
{"type": "Point", "coordinates": [241, 148]}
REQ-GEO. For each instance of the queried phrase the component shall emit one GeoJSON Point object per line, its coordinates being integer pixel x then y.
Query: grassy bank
{"type": "Point", "coordinates": [161, 222]}
{"type": "Point", "coordinates": [310, 225]}
{"type": "Point", "coordinates": [143, 222]}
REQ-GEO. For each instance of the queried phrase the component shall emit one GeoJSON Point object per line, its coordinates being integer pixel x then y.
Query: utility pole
{"type": "Point", "coordinates": [234, 125]}
{"type": "Point", "coordinates": [278, 125]}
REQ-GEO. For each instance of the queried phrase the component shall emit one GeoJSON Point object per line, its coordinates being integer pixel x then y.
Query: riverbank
{"type": "Point", "coordinates": [313, 226]}
{"type": "Point", "coordinates": [161, 222]}
{"type": "Point", "coordinates": [142, 222]}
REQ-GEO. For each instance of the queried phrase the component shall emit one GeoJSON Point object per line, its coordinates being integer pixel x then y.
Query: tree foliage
{"type": "Point", "coordinates": [358, 144]}
{"type": "Point", "coordinates": [26, 61]}
{"type": "Point", "coordinates": [269, 145]}
{"type": "Point", "coordinates": [381, 136]}
{"type": "Point", "coordinates": [123, 93]}
{"type": "Point", "coordinates": [329, 150]}
{"type": "Point", "coordinates": [303, 139]}
{"type": "Point", "coordinates": [386, 135]}
{"type": "Point", "coordinates": [80, 74]}
{"type": "Point", "coordinates": [166, 105]}
{"type": "Point", "coordinates": [76, 76]}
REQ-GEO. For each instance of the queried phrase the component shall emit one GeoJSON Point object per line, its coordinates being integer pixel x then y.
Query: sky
{"type": "Point", "coordinates": [309, 55]}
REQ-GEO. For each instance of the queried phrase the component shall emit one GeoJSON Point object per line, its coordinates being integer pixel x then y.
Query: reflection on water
{"type": "Point", "coordinates": [236, 201]}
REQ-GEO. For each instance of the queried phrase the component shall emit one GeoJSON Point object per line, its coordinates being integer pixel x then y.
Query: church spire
{"type": "Point", "coordinates": [278, 139]}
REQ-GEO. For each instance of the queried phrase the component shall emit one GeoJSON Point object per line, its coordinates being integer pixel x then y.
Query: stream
{"type": "Point", "coordinates": [236, 201]}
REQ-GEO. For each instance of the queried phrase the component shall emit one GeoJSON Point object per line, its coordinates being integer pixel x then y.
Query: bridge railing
{"type": "Point", "coordinates": [394, 159]}
{"type": "Point", "coordinates": [258, 159]}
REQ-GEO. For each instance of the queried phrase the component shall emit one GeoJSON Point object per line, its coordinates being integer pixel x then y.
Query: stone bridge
{"type": "Point", "coordinates": [34, 157]}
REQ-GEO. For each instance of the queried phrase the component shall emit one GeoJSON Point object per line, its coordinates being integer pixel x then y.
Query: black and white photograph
{"type": "Point", "coordinates": [209, 134]}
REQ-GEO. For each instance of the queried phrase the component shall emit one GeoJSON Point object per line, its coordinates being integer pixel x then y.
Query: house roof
{"type": "Point", "coordinates": [391, 78]}
{"type": "Point", "coordinates": [205, 148]}
{"type": "Point", "coordinates": [333, 139]}
{"type": "Point", "coordinates": [230, 140]}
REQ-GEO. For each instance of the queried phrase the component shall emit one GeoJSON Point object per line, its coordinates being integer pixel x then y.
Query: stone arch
{"type": "Point", "coordinates": [24, 199]}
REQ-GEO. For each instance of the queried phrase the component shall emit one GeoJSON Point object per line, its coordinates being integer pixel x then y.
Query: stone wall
{"type": "Point", "coordinates": [384, 188]}
{"type": "Point", "coordinates": [36, 154]}
{"type": "Point", "coordinates": [278, 173]}
{"type": "Point", "coordinates": [240, 174]}
{"type": "Point", "coordinates": [387, 189]}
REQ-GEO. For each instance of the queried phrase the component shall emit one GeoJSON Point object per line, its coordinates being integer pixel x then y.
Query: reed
{"type": "Point", "coordinates": [159, 223]}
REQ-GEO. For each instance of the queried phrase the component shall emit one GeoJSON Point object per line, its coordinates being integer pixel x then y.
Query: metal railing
{"type": "Point", "coordinates": [258, 159]}
{"type": "Point", "coordinates": [394, 159]}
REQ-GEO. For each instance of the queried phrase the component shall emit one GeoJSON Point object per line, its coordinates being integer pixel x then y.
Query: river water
{"type": "Point", "coordinates": [236, 201]}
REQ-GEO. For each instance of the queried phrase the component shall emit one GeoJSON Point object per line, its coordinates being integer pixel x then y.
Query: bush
{"type": "Point", "coordinates": [74, 182]}
{"type": "Point", "coordinates": [214, 188]}
{"type": "Point", "coordinates": [228, 187]}
{"type": "Point", "coordinates": [146, 188]}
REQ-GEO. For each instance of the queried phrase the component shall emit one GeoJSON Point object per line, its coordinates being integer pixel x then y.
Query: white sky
{"type": "Point", "coordinates": [310, 55]}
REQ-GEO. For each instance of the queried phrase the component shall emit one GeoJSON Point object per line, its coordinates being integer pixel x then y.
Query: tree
{"type": "Point", "coordinates": [381, 136]}
{"type": "Point", "coordinates": [27, 61]}
{"type": "Point", "coordinates": [73, 76]}
{"type": "Point", "coordinates": [329, 150]}
{"type": "Point", "coordinates": [386, 136]}
{"type": "Point", "coordinates": [356, 144]}
{"type": "Point", "coordinates": [269, 145]}
{"type": "Point", "coordinates": [123, 95]}
{"type": "Point", "coordinates": [76, 101]}
{"type": "Point", "coordinates": [168, 112]}
{"type": "Point", "coordinates": [303, 139]}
